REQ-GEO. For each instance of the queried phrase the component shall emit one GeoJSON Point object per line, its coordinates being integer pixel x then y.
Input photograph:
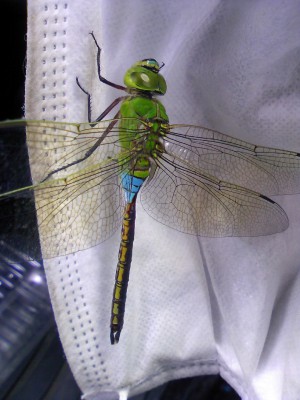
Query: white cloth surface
{"type": "Point", "coordinates": [194, 306]}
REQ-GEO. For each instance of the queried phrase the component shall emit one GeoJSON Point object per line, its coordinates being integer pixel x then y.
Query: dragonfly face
{"type": "Point", "coordinates": [144, 76]}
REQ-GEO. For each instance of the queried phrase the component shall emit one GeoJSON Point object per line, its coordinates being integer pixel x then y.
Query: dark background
{"type": "Point", "coordinates": [13, 51]}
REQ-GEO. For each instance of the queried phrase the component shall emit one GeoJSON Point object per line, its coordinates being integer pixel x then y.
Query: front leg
{"type": "Point", "coordinates": [89, 100]}
{"type": "Point", "coordinates": [101, 78]}
{"type": "Point", "coordinates": [106, 111]}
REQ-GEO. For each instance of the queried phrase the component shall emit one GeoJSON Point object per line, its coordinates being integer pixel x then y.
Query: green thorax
{"type": "Point", "coordinates": [143, 117]}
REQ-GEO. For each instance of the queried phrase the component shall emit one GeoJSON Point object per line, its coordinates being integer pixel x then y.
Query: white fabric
{"type": "Point", "coordinates": [210, 305]}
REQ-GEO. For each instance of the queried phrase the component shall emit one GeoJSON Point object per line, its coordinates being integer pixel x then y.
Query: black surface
{"type": "Point", "coordinates": [210, 387]}
{"type": "Point", "coordinates": [13, 50]}
{"type": "Point", "coordinates": [45, 375]}
{"type": "Point", "coordinates": [17, 217]}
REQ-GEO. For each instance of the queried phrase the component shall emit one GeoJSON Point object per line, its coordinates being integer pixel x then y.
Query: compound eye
{"type": "Point", "coordinates": [150, 63]}
{"type": "Point", "coordinates": [145, 78]}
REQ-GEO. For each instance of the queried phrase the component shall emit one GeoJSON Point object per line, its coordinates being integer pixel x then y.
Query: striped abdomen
{"type": "Point", "coordinates": [131, 186]}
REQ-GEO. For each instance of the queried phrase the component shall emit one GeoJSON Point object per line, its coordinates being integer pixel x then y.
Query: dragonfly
{"type": "Point", "coordinates": [86, 177]}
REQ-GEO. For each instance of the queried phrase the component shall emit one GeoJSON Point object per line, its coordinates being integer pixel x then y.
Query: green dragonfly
{"type": "Point", "coordinates": [86, 177]}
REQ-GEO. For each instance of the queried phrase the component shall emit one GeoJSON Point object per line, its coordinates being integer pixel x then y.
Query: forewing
{"type": "Point", "coordinates": [263, 169]}
{"type": "Point", "coordinates": [199, 204]}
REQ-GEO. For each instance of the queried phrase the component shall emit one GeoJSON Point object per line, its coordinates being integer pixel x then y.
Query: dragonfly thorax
{"type": "Point", "coordinates": [143, 123]}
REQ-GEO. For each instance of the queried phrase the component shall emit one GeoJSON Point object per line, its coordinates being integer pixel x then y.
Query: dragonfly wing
{"type": "Point", "coordinates": [199, 204]}
{"type": "Point", "coordinates": [263, 169]}
{"type": "Point", "coordinates": [78, 199]}
{"type": "Point", "coordinates": [55, 145]}
{"type": "Point", "coordinates": [85, 209]}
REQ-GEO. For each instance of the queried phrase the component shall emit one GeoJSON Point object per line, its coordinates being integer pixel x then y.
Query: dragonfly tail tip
{"type": "Point", "coordinates": [114, 336]}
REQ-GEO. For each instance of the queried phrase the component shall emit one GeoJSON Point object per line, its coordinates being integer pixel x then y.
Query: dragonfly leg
{"type": "Point", "coordinates": [105, 112]}
{"type": "Point", "coordinates": [89, 100]}
{"type": "Point", "coordinates": [101, 78]}
{"type": "Point", "coordinates": [110, 107]}
{"type": "Point", "coordinates": [89, 152]}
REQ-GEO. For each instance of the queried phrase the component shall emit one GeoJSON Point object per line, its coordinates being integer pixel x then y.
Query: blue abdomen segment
{"type": "Point", "coordinates": [131, 186]}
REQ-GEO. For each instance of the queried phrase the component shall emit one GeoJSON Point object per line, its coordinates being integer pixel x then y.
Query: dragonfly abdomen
{"type": "Point", "coordinates": [131, 186]}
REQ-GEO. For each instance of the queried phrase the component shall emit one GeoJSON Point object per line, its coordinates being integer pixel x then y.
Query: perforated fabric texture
{"type": "Point", "coordinates": [194, 306]}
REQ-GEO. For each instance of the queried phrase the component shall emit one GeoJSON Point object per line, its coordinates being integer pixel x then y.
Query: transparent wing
{"type": "Point", "coordinates": [199, 204]}
{"type": "Point", "coordinates": [75, 187]}
{"type": "Point", "coordinates": [263, 169]}
{"type": "Point", "coordinates": [78, 199]}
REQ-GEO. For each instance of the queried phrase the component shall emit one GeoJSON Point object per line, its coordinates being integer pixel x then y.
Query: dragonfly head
{"type": "Point", "coordinates": [144, 76]}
